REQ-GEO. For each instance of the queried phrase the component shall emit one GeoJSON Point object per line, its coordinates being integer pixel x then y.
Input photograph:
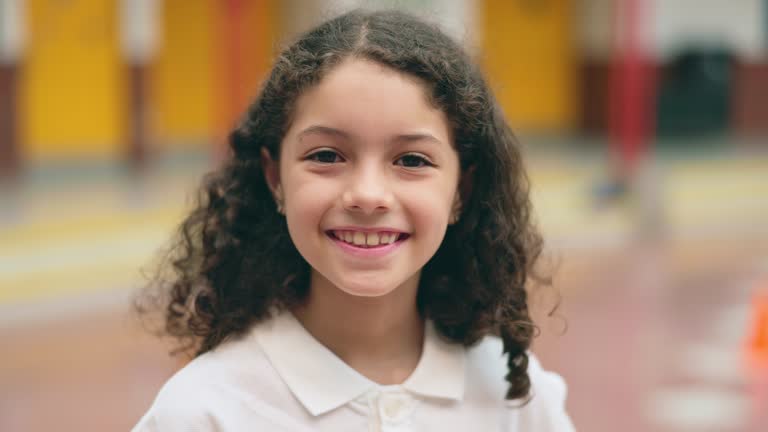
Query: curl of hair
{"type": "Point", "coordinates": [233, 260]}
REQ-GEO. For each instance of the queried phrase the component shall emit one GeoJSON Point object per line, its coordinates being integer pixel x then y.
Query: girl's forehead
{"type": "Point", "coordinates": [358, 78]}
{"type": "Point", "coordinates": [362, 96]}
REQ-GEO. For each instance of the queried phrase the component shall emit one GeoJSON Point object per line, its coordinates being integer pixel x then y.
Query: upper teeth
{"type": "Point", "coordinates": [359, 238]}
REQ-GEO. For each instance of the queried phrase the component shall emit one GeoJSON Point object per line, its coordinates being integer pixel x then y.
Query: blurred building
{"type": "Point", "coordinates": [112, 80]}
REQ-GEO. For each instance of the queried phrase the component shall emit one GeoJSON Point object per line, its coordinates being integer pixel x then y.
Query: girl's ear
{"type": "Point", "coordinates": [271, 170]}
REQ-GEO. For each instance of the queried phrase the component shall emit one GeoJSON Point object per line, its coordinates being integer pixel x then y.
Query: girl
{"type": "Point", "coordinates": [360, 261]}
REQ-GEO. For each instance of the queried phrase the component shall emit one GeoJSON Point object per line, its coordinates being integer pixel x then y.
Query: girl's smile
{"type": "Point", "coordinates": [368, 243]}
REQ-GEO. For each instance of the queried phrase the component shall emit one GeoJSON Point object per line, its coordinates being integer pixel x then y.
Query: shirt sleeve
{"type": "Point", "coordinates": [545, 412]}
{"type": "Point", "coordinates": [148, 423]}
{"type": "Point", "coordinates": [193, 406]}
{"type": "Point", "coordinates": [184, 403]}
{"type": "Point", "coordinates": [164, 418]}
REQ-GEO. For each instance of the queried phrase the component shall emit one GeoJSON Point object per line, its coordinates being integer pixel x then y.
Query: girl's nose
{"type": "Point", "coordinates": [368, 192]}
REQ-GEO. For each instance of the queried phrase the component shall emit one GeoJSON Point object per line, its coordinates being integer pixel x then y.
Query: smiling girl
{"type": "Point", "coordinates": [360, 261]}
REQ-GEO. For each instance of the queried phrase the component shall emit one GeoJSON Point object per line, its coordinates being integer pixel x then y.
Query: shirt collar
{"type": "Point", "coordinates": [322, 382]}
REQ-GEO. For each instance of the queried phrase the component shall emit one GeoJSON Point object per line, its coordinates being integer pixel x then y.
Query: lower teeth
{"type": "Point", "coordinates": [365, 246]}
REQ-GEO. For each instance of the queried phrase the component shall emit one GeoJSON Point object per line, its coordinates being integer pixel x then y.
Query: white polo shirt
{"type": "Point", "coordinates": [279, 378]}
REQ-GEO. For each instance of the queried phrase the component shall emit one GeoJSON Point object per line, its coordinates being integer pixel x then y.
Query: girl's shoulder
{"type": "Point", "coordinates": [181, 401]}
{"type": "Point", "coordinates": [207, 392]}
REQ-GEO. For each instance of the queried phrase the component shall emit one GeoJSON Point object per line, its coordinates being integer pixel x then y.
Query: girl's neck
{"type": "Point", "coordinates": [380, 337]}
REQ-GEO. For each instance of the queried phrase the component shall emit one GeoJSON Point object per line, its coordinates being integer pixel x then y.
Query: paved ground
{"type": "Point", "coordinates": [656, 334]}
{"type": "Point", "coordinates": [656, 325]}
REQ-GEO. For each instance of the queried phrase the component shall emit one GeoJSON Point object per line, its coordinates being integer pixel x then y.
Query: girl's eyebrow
{"type": "Point", "coordinates": [325, 130]}
{"type": "Point", "coordinates": [417, 137]}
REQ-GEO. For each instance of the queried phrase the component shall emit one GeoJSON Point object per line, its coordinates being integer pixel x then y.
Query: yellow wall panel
{"type": "Point", "coordinates": [181, 77]}
{"type": "Point", "coordinates": [242, 63]}
{"type": "Point", "coordinates": [73, 82]}
{"type": "Point", "coordinates": [201, 82]}
{"type": "Point", "coordinates": [528, 54]}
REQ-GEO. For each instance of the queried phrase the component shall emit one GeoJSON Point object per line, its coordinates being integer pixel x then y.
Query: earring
{"type": "Point", "coordinates": [455, 212]}
{"type": "Point", "coordinates": [279, 200]}
{"type": "Point", "coordinates": [454, 218]}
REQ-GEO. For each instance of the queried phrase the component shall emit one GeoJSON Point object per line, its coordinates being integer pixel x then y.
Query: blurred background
{"type": "Point", "coordinates": [645, 129]}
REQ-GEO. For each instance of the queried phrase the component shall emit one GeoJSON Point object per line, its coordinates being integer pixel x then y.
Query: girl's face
{"type": "Point", "coordinates": [369, 178]}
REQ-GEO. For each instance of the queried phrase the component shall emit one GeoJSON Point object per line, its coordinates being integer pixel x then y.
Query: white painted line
{"type": "Point", "coordinates": [698, 409]}
{"type": "Point", "coordinates": [70, 306]}
{"type": "Point", "coordinates": [136, 245]}
{"type": "Point", "coordinates": [721, 364]}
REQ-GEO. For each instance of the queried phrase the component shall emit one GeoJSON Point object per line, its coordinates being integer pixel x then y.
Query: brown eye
{"type": "Point", "coordinates": [413, 161]}
{"type": "Point", "coordinates": [325, 157]}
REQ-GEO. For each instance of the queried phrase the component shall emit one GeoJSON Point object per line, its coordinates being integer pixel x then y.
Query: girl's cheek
{"type": "Point", "coordinates": [312, 198]}
{"type": "Point", "coordinates": [429, 207]}
{"type": "Point", "coordinates": [304, 183]}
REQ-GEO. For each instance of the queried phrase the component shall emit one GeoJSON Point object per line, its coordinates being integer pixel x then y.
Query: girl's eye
{"type": "Point", "coordinates": [413, 161]}
{"type": "Point", "coordinates": [325, 157]}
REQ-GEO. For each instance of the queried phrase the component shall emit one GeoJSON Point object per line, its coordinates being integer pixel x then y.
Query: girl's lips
{"type": "Point", "coordinates": [368, 252]}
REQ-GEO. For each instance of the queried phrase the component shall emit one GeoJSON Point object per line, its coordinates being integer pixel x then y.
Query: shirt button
{"type": "Point", "coordinates": [395, 408]}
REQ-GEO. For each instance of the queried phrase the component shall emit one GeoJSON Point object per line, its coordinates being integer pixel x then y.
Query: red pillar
{"type": "Point", "coordinates": [244, 43]}
{"type": "Point", "coordinates": [230, 73]}
{"type": "Point", "coordinates": [632, 90]}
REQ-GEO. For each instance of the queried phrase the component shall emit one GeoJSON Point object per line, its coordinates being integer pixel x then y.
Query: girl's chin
{"type": "Point", "coordinates": [366, 290]}
{"type": "Point", "coordinates": [370, 284]}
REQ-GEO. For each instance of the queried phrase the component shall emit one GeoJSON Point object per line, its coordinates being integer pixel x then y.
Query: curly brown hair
{"type": "Point", "coordinates": [233, 260]}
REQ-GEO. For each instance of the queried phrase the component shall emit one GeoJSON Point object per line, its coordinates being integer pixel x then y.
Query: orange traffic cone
{"type": "Point", "coordinates": [757, 344]}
